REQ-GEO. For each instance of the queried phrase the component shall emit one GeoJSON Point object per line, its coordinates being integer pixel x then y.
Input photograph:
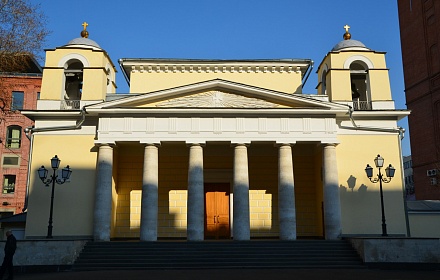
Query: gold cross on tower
{"type": "Point", "coordinates": [85, 24]}
{"type": "Point", "coordinates": [347, 35]}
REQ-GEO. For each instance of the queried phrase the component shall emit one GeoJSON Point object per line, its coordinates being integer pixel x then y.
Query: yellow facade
{"type": "Point", "coordinates": [356, 190]}
{"type": "Point", "coordinates": [73, 200]}
{"type": "Point", "coordinates": [283, 82]}
{"type": "Point", "coordinates": [217, 104]}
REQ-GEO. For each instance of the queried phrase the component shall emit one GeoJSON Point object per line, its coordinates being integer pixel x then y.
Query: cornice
{"type": "Point", "coordinates": [201, 68]}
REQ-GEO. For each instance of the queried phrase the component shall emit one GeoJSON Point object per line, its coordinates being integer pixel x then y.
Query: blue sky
{"type": "Point", "coordinates": [231, 29]}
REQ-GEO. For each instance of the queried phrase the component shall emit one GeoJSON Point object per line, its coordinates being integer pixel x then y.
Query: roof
{"type": "Point", "coordinates": [424, 205]}
{"type": "Point", "coordinates": [32, 68]}
{"type": "Point", "coordinates": [127, 64]}
{"type": "Point", "coordinates": [18, 218]}
{"type": "Point", "coordinates": [349, 45]}
{"type": "Point", "coordinates": [84, 42]}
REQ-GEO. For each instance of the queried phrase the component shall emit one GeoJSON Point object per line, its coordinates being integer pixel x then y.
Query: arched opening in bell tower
{"type": "Point", "coordinates": [359, 86]}
{"type": "Point", "coordinates": [73, 75]}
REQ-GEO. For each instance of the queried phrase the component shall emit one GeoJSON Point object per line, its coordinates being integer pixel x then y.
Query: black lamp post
{"type": "Point", "coordinates": [65, 174]}
{"type": "Point", "coordinates": [389, 171]}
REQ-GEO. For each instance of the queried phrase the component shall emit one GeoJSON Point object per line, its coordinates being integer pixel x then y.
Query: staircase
{"type": "Point", "coordinates": [217, 254]}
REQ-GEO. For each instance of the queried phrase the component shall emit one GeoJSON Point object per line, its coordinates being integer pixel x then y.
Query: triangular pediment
{"type": "Point", "coordinates": [218, 94]}
{"type": "Point", "coordinates": [214, 99]}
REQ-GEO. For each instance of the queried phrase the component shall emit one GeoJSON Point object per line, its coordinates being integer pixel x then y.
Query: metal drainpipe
{"type": "Point", "coordinates": [31, 129]}
{"type": "Point", "coordinates": [123, 72]}
{"type": "Point", "coordinates": [399, 129]}
{"type": "Point", "coordinates": [28, 179]}
{"type": "Point", "coordinates": [312, 63]}
{"type": "Point", "coordinates": [29, 134]}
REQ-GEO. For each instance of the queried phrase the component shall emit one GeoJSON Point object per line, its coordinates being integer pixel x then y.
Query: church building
{"type": "Point", "coordinates": [214, 149]}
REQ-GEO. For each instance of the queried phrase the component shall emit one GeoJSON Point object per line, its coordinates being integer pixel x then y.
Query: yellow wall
{"type": "Point", "coordinates": [338, 59]}
{"type": "Point", "coordinates": [173, 181]}
{"type": "Point", "coordinates": [284, 82]}
{"type": "Point", "coordinates": [357, 192]}
{"type": "Point", "coordinates": [263, 190]}
{"type": "Point", "coordinates": [308, 189]}
{"type": "Point", "coordinates": [425, 225]}
{"type": "Point", "coordinates": [94, 84]}
{"type": "Point", "coordinates": [73, 203]}
{"type": "Point", "coordinates": [338, 85]}
{"type": "Point", "coordinates": [380, 85]}
{"type": "Point", "coordinates": [360, 199]}
{"type": "Point", "coordinates": [52, 85]}
{"type": "Point", "coordinates": [263, 181]}
{"type": "Point", "coordinates": [319, 202]}
{"type": "Point", "coordinates": [128, 187]}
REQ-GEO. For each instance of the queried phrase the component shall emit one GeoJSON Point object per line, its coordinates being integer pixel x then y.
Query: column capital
{"type": "Point", "coordinates": [277, 145]}
{"type": "Point", "coordinates": [329, 144]}
{"type": "Point", "coordinates": [111, 145]}
{"type": "Point", "coordinates": [151, 144]}
{"type": "Point", "coordinates": [240, 144]}
{"type": "Point", "coordinates": [196, 144]}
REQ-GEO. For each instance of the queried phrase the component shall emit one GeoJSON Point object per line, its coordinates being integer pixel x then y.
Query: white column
{"type": "Point", "coordinates": [196, 195]}
{"type": "Point", "coordinates": [150, 184]}
{"type": "Point", "coordinates": [286, 193]}
{"type": "Point", "coordinates": [103, 194]}
{"type": "Point", "coordinates": [241, 227]}
{"type": "Point", "coordinates": [332, 203]}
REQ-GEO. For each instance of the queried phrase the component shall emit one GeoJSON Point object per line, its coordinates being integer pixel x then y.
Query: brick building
{"type": "Point", "coordinates": [419, 31]}
{"type": "Point", "coordinates": [21, 92]}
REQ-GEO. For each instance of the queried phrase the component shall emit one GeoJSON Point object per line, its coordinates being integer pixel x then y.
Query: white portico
{"type": "Point", "coordinates": [218, 111]}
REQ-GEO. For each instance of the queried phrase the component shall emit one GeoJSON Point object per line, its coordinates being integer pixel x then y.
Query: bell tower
{"type": "Point", "coordinates": [355, 75]}
{"type": "Point", "coordinates": [76, 74]}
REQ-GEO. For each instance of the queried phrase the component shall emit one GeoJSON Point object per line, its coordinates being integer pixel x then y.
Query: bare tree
{"type": "Point", "coordinates": [22, 34]}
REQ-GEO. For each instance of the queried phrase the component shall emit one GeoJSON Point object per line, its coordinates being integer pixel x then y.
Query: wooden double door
{"type": "Point", "coordinates": [217, 211]}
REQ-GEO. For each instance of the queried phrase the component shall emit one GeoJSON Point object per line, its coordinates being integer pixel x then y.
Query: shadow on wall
{"type": "Point", "coordinates": [351, 183]}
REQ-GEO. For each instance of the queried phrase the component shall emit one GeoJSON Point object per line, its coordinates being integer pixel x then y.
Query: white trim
{"type": "Point", "coordinates": [383, 105]}
{"type": "Point", "coordinates": [56, 104]}
{"type": "Point", "coordinates": [63, 61]}
{"type": "Point", "coordinates": [354, 58]}
{"type": "Point", "coordinates": [222, 129]}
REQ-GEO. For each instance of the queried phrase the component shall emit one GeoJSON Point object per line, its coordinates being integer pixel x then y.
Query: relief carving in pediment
{"type": "Point", "coordinates": [216, 98]}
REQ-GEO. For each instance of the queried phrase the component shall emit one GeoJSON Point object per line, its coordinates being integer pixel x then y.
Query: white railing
{"type": "Point", "coordinates": [362, 105]}
{"type": "Point", "coordinates": [70, 104]}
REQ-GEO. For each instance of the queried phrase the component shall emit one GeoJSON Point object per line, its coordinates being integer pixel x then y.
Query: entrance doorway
{"type": "Point", "coordinates": [217, 211]}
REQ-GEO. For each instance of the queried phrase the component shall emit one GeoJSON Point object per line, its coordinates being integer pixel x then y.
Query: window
{"type": "Point", "coordinates": [10, 161]}
{"type": "Point", "coordinates": [8, 183]}
{"type": "Point", "coordinates": [359, 86]}
{"type": "Point", "coordinates": [13, 137]}
{"type": "Point", "coordinates": [74, 79]}
{"type": "Point", "coordinates": [17, 100]}
{"type": "Point", "coordinates": [324, 83]}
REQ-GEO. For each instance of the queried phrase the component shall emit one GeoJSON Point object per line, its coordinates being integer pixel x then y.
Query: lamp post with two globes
{"type": "Point", "coordinates": [65, 175]}
{"type": "Point", "coordinates": [389, 172]}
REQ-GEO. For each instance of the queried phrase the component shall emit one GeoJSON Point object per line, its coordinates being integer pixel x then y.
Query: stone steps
{"type": "Point", "coordinates": [217, 254]}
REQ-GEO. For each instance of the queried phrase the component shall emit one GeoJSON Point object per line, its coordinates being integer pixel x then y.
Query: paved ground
{"type": "Point", "coordinates": [239, 274]}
